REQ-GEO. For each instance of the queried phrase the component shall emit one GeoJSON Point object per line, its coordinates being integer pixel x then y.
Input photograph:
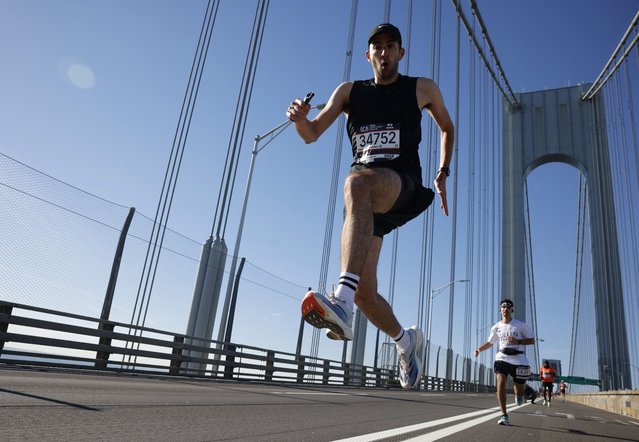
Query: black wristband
{"type": "Point", "coordinates": [446, 170]}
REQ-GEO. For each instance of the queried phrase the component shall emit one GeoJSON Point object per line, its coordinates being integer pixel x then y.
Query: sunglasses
{"type": "Point", "coordinates": [506, 305]}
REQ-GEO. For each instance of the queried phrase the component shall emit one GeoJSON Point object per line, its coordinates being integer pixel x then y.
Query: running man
{"type": "Point", "coordinates": [562, 391]}
{"type": "Point", "coordinates": [547, 374]}
{"type": "Point", "coordinates": [511, 359]}
{"type": "Point", "coordinates": [383, 190]}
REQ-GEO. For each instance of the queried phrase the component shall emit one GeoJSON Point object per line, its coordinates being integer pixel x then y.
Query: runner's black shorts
{"type": "Point", "coordinates": [413, 199]}
{"type": "Point", "coordinates": [548, 385]}
{"type": "Point", "coordinates": [519, 373]}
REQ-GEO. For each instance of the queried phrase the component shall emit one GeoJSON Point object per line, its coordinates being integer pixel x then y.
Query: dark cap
{"type": "Point", "coordinates": [386, 28]}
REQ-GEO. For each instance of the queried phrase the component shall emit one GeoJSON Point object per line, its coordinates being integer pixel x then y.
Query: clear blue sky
{"type": "Point", "coordinates": [90, 93]}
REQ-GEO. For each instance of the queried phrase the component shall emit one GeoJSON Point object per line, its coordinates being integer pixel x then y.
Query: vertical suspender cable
{"type": "Point", "coordinates": [453, 247]}
{"type": "Point", "coordinates": [235, 142]}
{"type": "Point", "coordinates": [634, 150]}
{"type": "Point", "coordinates": [254, 58]}
{"type": "Point", "coordinates": [430, 156]}
{"type": "Point", "coordinates": [239, 121]}
{"type": "Point", "coordinates": [581, 215]}
{"type": "Point", "coordinates": [330, 216]}
{"type": "Point", "coordinates": [173, 167]}
{"type": "Point", "coordinates": [531, 267]}
{"type": "Point", "coordinates": [470, 226]}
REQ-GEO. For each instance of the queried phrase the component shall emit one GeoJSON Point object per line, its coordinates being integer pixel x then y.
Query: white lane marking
{"type": "Point", "coordinates": [568, 415]}
{"type": "Point", "coordinates": [633, 422]}
{"type": "Point", "coordinates": [445, 432]}
{"type": "Point", "coordinates": [309, 393]}
{"type": "Point", "coordinates": [601, 421]}
{"type": "Point", "coordinates": [621, 422]}
{"type": "Point", "coordinates": [494, 412]}
{"type": "Point", "coordinates": [537, 414]}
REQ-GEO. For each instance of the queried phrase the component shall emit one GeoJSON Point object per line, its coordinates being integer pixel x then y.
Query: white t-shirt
{"type": "Point", "coordinates": [500, 332]}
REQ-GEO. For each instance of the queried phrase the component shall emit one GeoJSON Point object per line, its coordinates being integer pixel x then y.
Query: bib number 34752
{"type": "Point", "coordinates": [377, 142]}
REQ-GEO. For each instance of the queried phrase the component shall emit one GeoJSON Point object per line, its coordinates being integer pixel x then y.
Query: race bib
{"type": "Point", "coordinates": [376, 142]}
{"type": "Point", "coordinates": [522, 372]}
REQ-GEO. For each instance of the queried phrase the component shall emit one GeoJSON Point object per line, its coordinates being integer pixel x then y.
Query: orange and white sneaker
{"type": "Point", "coordinates": [328, 312]}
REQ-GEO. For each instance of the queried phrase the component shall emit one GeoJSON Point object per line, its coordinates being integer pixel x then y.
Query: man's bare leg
{"type": "Point", "coordinates": [374, 306]}
{"type": "Point", "coordinates": [366, 192]}
{"type": "Point", "coordinates": [501, 391]}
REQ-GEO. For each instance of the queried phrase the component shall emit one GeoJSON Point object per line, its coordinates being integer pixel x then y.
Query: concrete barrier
{"type": "Point", "coordinates": [624, 402]}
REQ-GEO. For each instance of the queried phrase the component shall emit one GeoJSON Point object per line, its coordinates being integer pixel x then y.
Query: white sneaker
{"type": "Point", "coordinates": [410, 367]}
{"type": "Point", "coordinates": [328, 312]}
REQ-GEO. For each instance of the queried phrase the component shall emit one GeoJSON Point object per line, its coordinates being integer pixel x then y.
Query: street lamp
{"type": "Point", "coordinates": [271, 134]}
{"type": "Point", "coordinates": [433, 293]}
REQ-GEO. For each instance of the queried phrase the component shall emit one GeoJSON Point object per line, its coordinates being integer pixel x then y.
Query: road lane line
{"type": "Point", "coordinates": [307, 393]}
{"type": "Point", "coordinates": [568, 415]}
{"type": "Point", "coordinates": [403, 430]}
{"type": "Point", "coordinates": [445, 432]}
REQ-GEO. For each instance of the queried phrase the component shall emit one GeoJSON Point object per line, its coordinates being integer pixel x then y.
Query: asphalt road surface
{"type": "Point", "coordinates": [71, 406]}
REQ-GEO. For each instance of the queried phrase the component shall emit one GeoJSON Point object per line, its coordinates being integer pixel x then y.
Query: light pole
{"type": "Point", "coordinates": [271, 134]}
{"type": "Point", "coordinates": [433, 293]}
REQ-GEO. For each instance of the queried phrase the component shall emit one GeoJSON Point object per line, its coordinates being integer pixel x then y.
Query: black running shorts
{"type": "Point", "coordinates": [413, 199]}
{"type": "Point", "coordinates": [519, 373]}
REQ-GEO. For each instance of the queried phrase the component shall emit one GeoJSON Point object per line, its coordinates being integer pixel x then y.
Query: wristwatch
{"type": "Point", "coordinates": [444, 169]}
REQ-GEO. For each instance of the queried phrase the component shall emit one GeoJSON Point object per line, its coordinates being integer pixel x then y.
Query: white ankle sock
{"type": "Point", "coordinates": [402, 341]}
{"type": "Point", "coordinates": [346, 287]}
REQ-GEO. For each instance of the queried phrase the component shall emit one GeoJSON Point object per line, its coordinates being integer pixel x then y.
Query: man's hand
{"type": "Point", "coordinates": [440, 186]}
{"type": "Point", "coordinates": [298, 111]}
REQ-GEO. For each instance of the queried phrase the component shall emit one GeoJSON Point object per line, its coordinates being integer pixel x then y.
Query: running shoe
{"type": "Point", "coordinates": [548, 404]}
{"type": "Point", "coordinates": [328, 312]}
{"type": "Point", "coordinates": [503, 420]}
{"type": "Point", "coordinates": [410, 367]}
{"type": "Point", "coordinates": [545, 402]}
{"type": "Point", "coordinates": [520, 400]}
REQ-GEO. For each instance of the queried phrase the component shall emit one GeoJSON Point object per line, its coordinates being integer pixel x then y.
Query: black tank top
{"type": "Point", "coordinates": [384, 125]}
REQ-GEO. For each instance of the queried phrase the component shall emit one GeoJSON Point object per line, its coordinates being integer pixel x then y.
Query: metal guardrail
{"type": "Point", "coordinates": [36, 336]}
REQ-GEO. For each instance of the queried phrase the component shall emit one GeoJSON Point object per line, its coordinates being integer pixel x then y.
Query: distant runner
{"type": "Point", "coordinates": [547, 378]}
{"type": "Point", "coordinates": [511, 359]}
{"type": "Point", "coordinates": [562, 391]}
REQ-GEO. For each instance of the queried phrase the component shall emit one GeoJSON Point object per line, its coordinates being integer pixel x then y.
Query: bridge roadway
{"type": "Point", "coordinates": [64, 405]}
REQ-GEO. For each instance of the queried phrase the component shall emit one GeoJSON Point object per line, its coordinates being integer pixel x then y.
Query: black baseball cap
{"type": "Point", "coordinates": [386, 28]}
{"type": "Point", "coordinates": [506, 301]}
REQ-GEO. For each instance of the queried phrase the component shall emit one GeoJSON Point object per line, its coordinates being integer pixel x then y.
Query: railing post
{"type": "Point", "coordinates": [347, 373]}
{"type": "Point", "coordinates": [300, 368]}
{"type": "Point", "coordinates": [102, 357]}
{"type": "Point", "coordinates": [270, 365]}
{"type": "Point", "coordinates": [5, 309]}
{"type": "Point", "coordinates": [176, 362]}
{"type": "Point", "coordinates": [230, 361]}
{"type": "Point", "coordinates": [326, 372]}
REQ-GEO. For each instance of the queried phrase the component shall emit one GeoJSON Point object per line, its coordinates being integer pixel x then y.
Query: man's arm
{"type": "Point", "coordinates": [310, 131]}
{"type": "Point", "coordinates": [485, 346]}
{"type": "Point", "coordinates": [430, 97]}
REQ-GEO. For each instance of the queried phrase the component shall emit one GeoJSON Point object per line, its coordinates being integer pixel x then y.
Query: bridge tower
{"type": "Point", "coordinates": [557, 126]}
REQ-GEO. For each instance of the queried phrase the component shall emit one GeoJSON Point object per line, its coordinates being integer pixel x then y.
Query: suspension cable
{"type": "Point", "coordinates": [510, 97]}
{"type": "Point", "coordinates": [599, 83]}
